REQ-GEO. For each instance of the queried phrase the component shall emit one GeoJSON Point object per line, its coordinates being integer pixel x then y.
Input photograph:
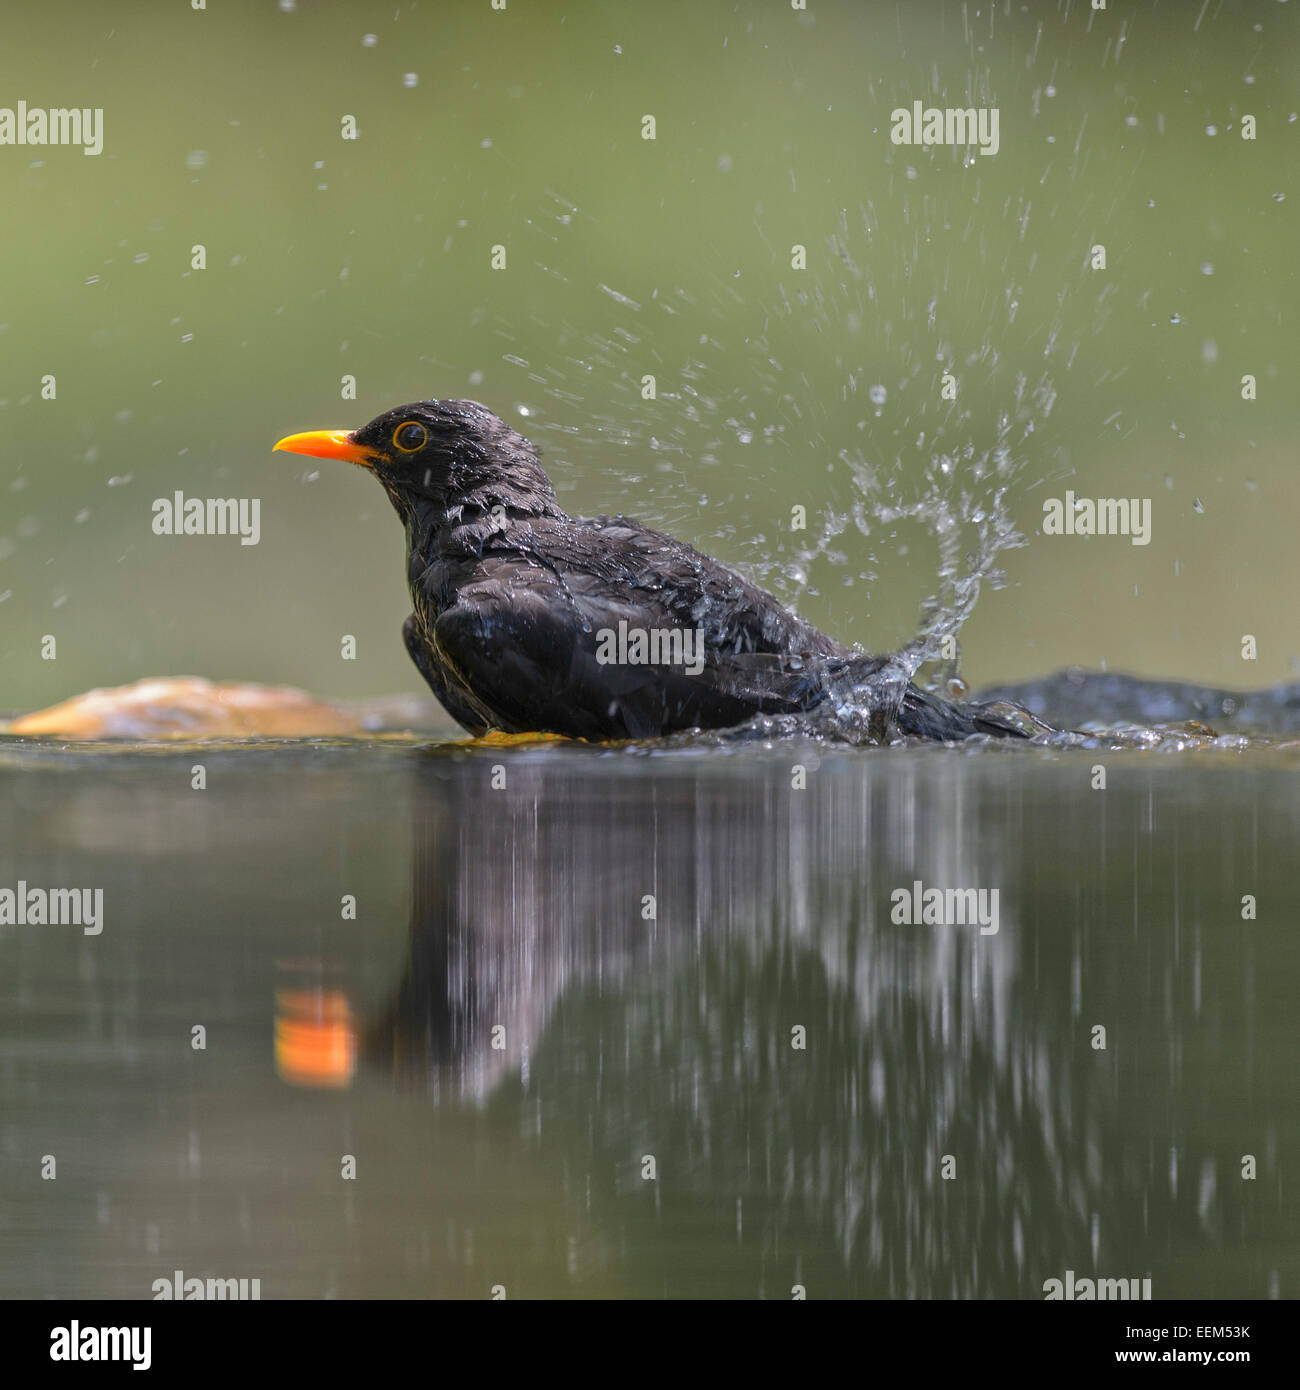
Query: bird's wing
{"type": "Point", "coordinates": [417, 644]}
{"type": "Point", "coordinates": [523, 643]}
{"type": "Point", "coordinates": [606, 555]}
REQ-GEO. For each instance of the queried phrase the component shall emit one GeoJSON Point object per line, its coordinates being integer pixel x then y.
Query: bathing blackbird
{"type": "Point", "coordinates": [531, 621]}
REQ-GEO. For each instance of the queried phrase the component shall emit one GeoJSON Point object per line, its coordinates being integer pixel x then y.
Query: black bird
{"type": "Point", "coordinates": [528, 620]}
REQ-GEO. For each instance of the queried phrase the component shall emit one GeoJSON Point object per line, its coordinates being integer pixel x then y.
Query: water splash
{"type": "Point", "coordinates": [946, 469]}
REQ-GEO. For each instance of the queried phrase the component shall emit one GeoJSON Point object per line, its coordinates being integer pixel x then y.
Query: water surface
{"type": "Point", "coordinates": [505, 888]}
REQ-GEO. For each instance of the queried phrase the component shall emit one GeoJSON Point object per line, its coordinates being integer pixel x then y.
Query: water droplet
{"type": "Point", "coordinates": [1197, 506]}
{"type": "Point", "coordinates": [618, 48]}
{"type": "Point", "coordinates": [1279, 197]}
{"type": "Point", "coordinates": [1175, 318]}
{"type": "Point", "coordinates": [878, 395]}
{"type": "Point", "coordinates": [140, 257]}
{"type": "Point", "coordinates": [369, 40]}
{"type": "Point", "coordinates": [410, 79]}
{"type": "Point", "coordinates": [1050, 89]}
{"type": "Point", "coordinates": [196, 159]}
{"type": "Point", "coordinates": [1211, 129]}
{"type": "Point", "coordinates": [1207, 267]}
{"type": "Point", "coordinates": [121, 480]}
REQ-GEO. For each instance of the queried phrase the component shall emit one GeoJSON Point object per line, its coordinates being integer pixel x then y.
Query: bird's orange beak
{"type": "Point", "coordinates": [330, 444]}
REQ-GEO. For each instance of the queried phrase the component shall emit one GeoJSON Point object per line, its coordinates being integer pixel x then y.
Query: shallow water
{"type": "Point", "coordinates": [521, 906]}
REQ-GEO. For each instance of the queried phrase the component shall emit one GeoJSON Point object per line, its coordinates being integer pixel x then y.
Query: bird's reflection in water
{"type": "Point", "coordinates": [607, 957]}
{"type": "Point", "coordinates": [699, 968]}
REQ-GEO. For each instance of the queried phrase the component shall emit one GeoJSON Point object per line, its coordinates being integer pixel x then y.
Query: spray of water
{"type": "Point", "coordinates": [945, 468]}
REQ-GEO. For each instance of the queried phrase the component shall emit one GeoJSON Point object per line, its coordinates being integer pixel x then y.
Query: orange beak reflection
{"type": "Point", "coordinates": [315, 1038]}
{"type": "Point", "coordinates": [330, 444]}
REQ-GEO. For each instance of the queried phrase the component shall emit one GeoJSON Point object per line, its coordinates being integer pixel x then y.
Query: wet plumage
{"type": "Point", "coordinates": [512, 596]}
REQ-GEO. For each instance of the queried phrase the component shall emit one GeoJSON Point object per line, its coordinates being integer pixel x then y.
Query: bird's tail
{"type": "Point", "coordinates": [929, 716]}
{"type": "Point", "coordinates": [872, 699]}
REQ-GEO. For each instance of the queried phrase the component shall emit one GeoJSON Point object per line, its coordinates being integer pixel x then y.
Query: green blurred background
{"type": "Point", "coordinates": [371, 258]}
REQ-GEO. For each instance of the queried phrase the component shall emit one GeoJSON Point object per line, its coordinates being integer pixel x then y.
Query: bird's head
{"type": "Point", "coordinates": [440, 455]}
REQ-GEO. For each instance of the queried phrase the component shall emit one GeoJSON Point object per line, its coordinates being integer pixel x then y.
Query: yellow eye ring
{"type": "Point", "coordinates": [414, 442]}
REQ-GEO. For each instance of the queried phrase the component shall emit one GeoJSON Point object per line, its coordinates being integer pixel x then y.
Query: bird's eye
{"type": "Point", "coordinates": [410, 437]}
